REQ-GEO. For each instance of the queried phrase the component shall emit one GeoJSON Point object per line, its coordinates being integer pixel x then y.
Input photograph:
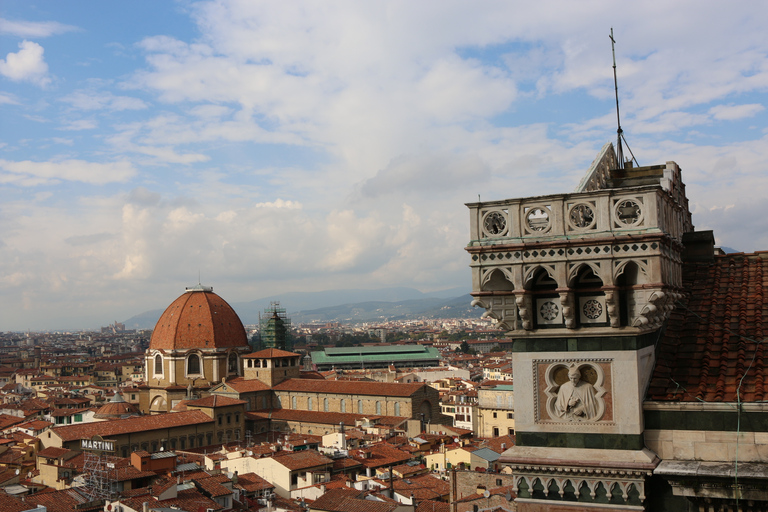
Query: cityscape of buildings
{"type": "Point", "coordinates": [624, 370]}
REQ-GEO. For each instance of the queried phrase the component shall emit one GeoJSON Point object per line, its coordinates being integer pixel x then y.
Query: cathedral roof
{"type": "Point", "coordinates": [714, 345]}
{"type": "Point", "coordinates": [198, 319]}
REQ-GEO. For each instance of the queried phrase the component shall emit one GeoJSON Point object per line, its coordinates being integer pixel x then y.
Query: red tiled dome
{"type": "Point", "coordinates": [198, 319]}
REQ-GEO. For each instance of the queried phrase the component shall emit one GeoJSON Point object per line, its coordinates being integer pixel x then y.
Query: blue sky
{"type": "Point", "coordinates": [305, 146]}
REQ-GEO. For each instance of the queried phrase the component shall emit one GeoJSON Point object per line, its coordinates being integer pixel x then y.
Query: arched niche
{"type": "Point", "coordinates": [545, 301]}
{"type": "Point", "coordinates": [630, 277]}
{"type": "Point", "coordinates": [587, 286]}
{"type": "Point", "coordinates": [158, 405]}
{"type": "Point", "coordinates": [497, 280]}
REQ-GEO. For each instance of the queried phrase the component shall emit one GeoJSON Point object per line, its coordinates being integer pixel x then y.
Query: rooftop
{"type": "Point", "coordinates": [714, 345]}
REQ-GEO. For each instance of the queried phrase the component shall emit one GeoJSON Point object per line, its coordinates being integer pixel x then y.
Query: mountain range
{"type": "Point", "coordinates": [346, 306]}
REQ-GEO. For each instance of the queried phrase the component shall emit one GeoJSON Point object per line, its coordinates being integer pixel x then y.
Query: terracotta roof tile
{"type": "Point", "coordinates": [350, 500]}
{"type": "Point", "coordinates": [198, 319]}
{"type": "Point", "coordinates": [269, 353]}
{"type": "Point", "coordinates": [251, 482]}
{"type": "Point", "coordinates": [714, 343]}
{"type": "Point", "coordinates": [302, 460]}
{"type": "Point", "coordinates": [242, 385]}
{"type": "Point", "coordinates": [215, 401]}
{"type": "Point", "coordinates": [130, 425]}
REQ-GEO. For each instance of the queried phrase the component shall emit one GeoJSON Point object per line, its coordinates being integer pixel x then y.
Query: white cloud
{"type": "Point", "coordinates": [8, 99]}
{"type": "Point", "coordinates": [26, 65]}
{"type": "Point", "coordinates": [94, 100]}
{"type": "Point", "coordinates": [31, 173]}
{"type": "Point", "coordinates": [279, 203]}
{"type": "Point", "coordinates": [34, 29]}
{"type": "Point", "coordinates": [733, 112]}
{"type": "Point", "coordinates": [80, 124]}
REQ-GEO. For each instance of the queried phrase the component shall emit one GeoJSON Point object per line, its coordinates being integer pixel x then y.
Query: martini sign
{"type": "Point", "coordinates": [97, 444]}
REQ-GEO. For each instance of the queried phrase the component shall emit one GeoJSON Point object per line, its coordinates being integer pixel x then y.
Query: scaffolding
{"type": "Point", "coordinates": [275, 327]}
{"type": "Point", "coordinates": [100, 475]}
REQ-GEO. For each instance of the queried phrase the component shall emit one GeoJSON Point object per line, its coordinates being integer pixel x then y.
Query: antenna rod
{"type": "Point", "coordinates": [619, 131]}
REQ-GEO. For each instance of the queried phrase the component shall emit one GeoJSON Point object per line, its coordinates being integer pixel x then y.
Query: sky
{"type": "Point", "coordinates": [272, 147]}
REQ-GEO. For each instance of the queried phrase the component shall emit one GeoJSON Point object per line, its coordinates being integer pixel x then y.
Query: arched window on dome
{"type": "Point", "coordinates": [158, 364]}
{"type": "Point", "coordinates": [232, 366]}
{"type": "Point", "coordinates": [193, 365]}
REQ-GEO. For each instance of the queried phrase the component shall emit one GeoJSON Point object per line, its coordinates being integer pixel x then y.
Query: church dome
{"type": "Point", "coordinates": [115, 408]}
{"type": "Point", "coordinates": [198, 319]}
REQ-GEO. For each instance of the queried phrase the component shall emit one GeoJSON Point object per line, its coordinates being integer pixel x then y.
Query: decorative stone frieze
{"type": "Point", "coordinates": [605, 257]}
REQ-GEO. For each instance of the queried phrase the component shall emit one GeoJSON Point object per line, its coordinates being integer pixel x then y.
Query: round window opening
{"type": "Point", "coordinates": [628, 212]}
{"type": "Point", "coordinates": [538, 219]}
{"type": "Point", "coordinates": [582, 216]}
{"type": "Point", "coordinates": [495, 223]}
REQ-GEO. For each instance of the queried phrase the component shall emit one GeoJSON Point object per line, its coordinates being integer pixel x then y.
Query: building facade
{"type": "Point", "coordinates": [591, 286]}
{"type": "Point", "coordinates": [198, 341]}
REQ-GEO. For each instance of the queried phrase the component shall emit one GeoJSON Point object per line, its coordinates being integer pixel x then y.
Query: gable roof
{"type": "Point", "coordinates": [269, 353]}
{"type": "Point", "coordinates": [214, 401]}
{"type": "Point", "coordinates": [350, 500]}
{"type": "Point", "coordinates": [131, 425]}
{"type": "Point", "coordinates": [240, 385]}
{"type": "Point", "coordinates": [302, 459]}
{"type": "Point", "coordinates": [714, 343]}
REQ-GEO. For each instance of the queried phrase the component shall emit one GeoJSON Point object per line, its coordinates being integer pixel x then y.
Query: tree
{"type": "Point", "coordinates": [464, 346]}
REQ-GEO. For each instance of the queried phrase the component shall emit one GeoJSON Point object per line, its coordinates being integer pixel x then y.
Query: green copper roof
{"type": "Point", "coordinates": [386, 354]}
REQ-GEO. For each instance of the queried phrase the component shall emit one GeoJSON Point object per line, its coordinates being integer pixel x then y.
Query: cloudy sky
{"type": "Point", "coordinates": [306, 146]}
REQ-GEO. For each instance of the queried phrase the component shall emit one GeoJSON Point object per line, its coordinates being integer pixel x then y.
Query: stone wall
{"type": "Point", "coordinates": [467, 482]}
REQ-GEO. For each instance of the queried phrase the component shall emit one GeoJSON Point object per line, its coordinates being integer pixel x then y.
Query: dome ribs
{"type": "Point", "coordinates": [201, 320]}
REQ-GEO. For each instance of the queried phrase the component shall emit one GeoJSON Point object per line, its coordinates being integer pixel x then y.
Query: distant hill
{"type": "Point", "coordinates": [347, 306]}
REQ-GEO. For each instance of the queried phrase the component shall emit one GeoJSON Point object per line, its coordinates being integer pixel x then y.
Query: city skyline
{"type": "Point", "coordinates": [266, 148]}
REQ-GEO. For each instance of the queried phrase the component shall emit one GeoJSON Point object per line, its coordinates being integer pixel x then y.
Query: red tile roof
{"type": "Point", "coordinates": [189, 499]}
{"type": "Point", "coordinates": [380, 454]}
{"type": "Point", "coordinates": [53, 453]}
{"type": "Point", "coordinates": [212, 487]}
{"type": "Point", "coordinates": [304, 459]}
{"type": "Point", "coordinates": [350, 500]}
{"type": "Point", "coordinates": [349, 387]}
{"type": "Point", "coordinates": [130, 425]}
{"type": "Point", "coordinates": [245, 385]}
{"type": "Point", "coordinates": [422, 487]}
{"type": "Point", "coordinates": [215, 401]}
{"type": "Point", "coordinates": [714, 343]}
{"type": "Point", "coordinates": [433, 506]}
{"type": "Point", "coordinates": [251, 482]}
{"type": "Point", "coordinates": [269, 353]}
{"type": "Point", "coordinates": [198, 319]}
